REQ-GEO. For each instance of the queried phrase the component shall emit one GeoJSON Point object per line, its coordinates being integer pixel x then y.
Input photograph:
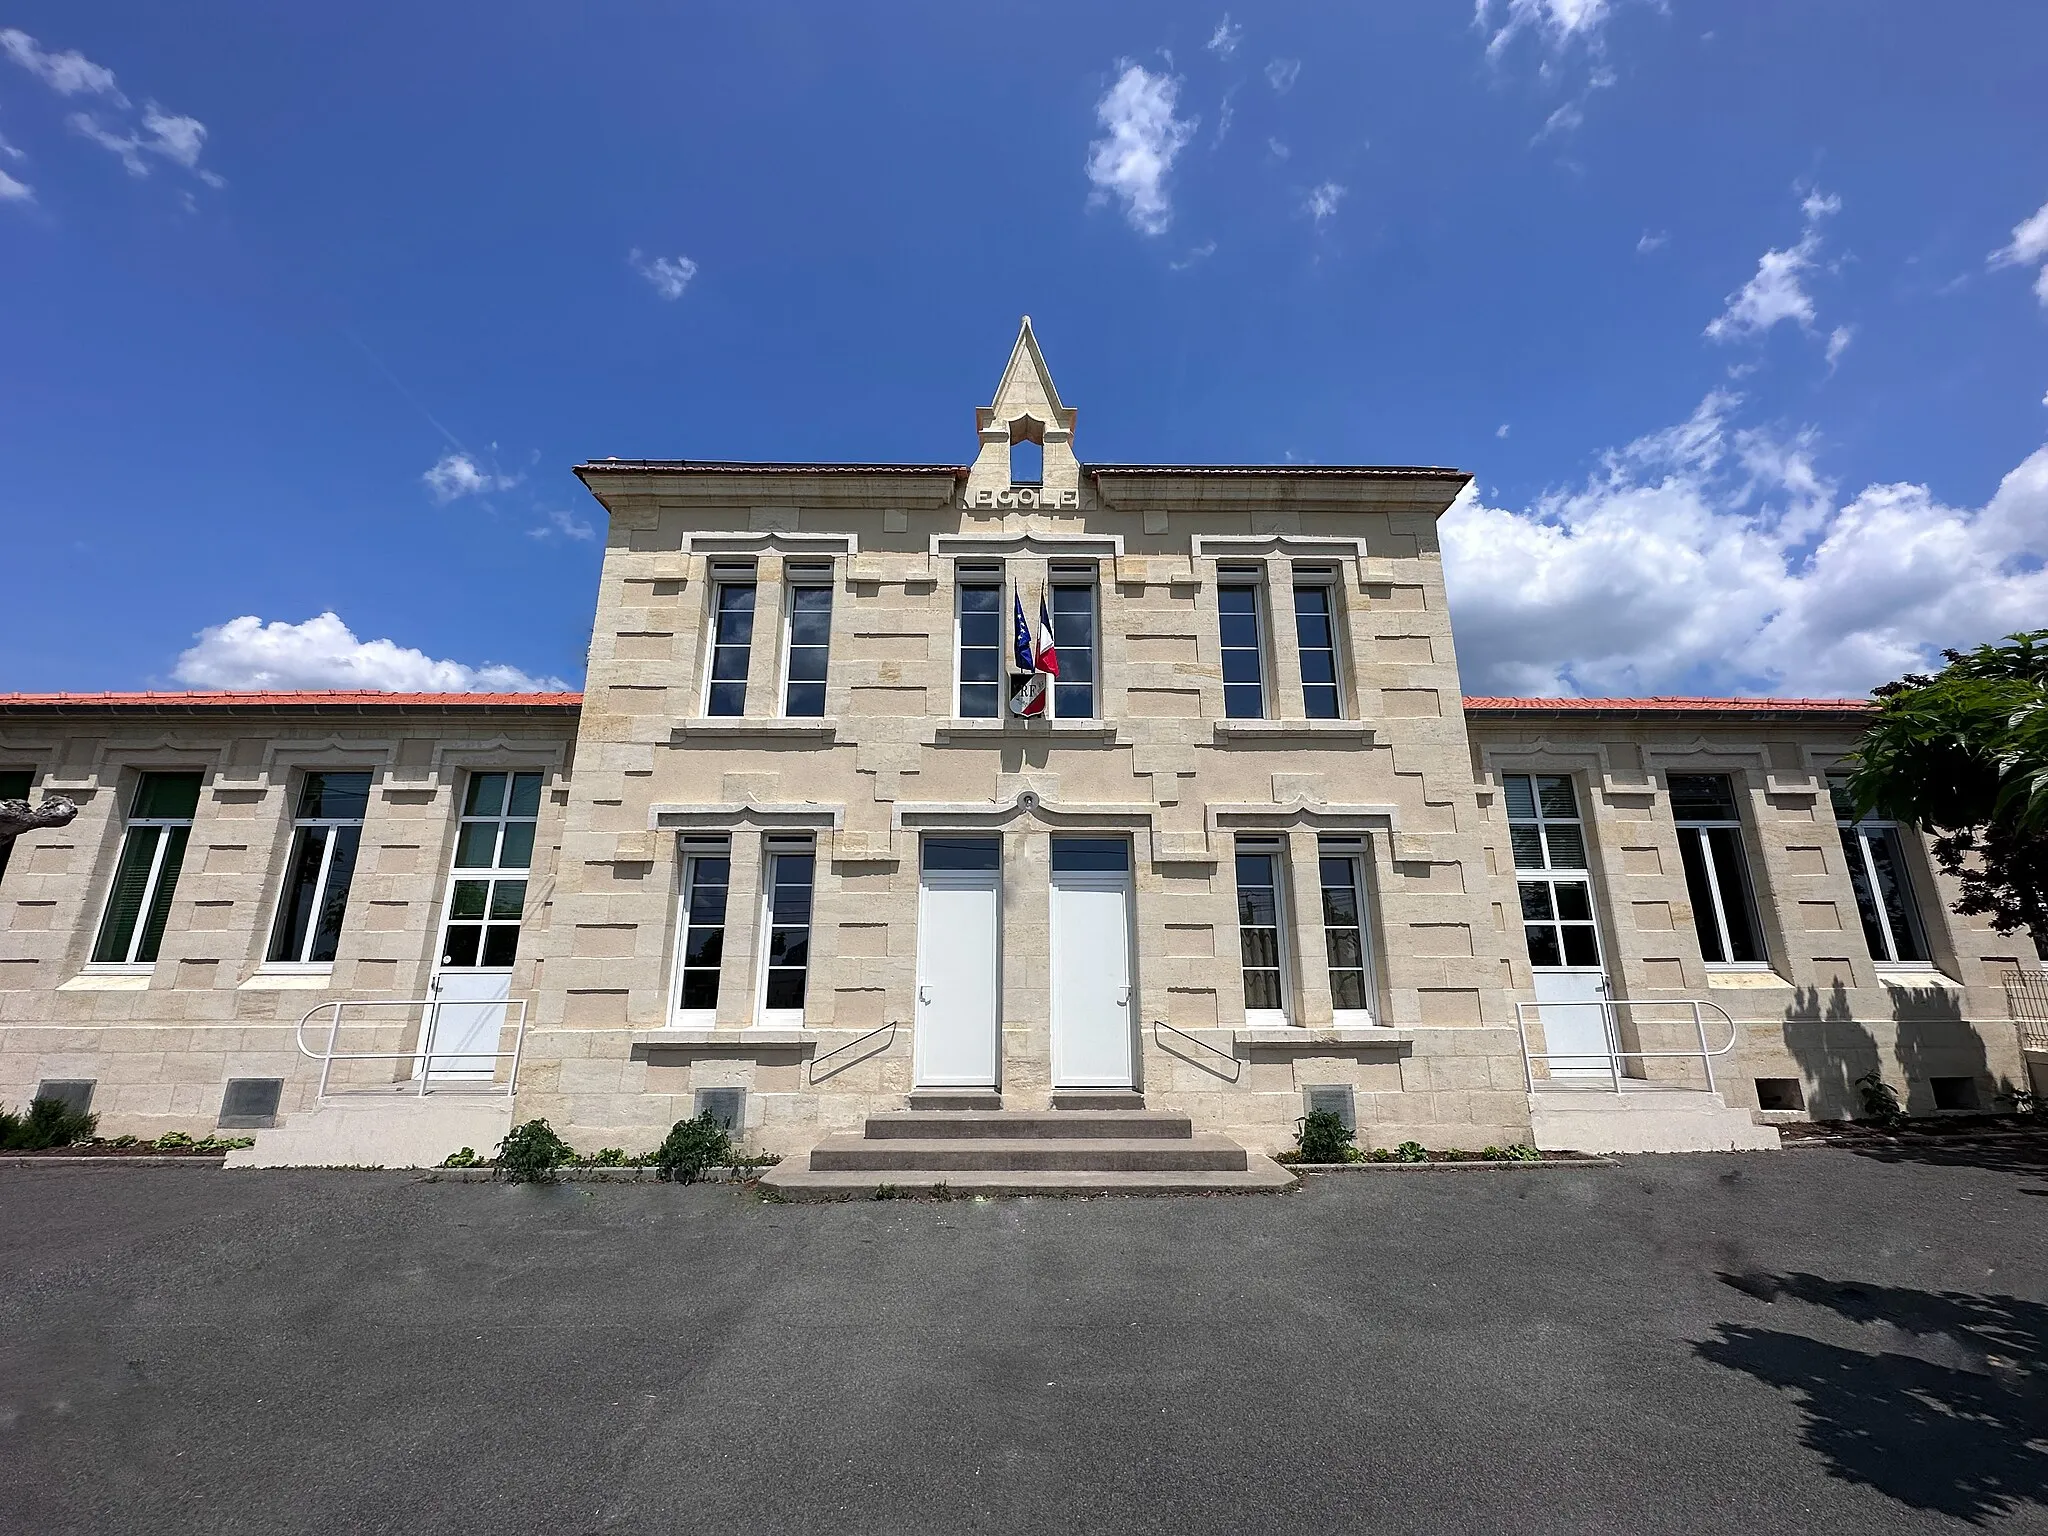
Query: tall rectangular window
{"type": "Point", "coordinates": [1315, 630]}
{"type": "Point", "coordinates": [1261, 947]}
{"type": "Point", "coordinates": [1073, 629]}
{"type": "Point", "coordinates": [1543, 821]}
{"type": "Point", "coordinates": [1342, 874]}
{"type": "Point", "coordinates": [791, 871]}
{"type": "Point", "coordinates": [1884, 890]}
{"type": "Point", "coordinates": [1555, 892]}
{"type": "Point", "coordinates": [326, 834]}
{"type": "Point", "coordinates": [732, 639]}
{"type": "Point", "coordinates": [707, 877]}
{"type": "Point", "coordinates": [14, 785]}
{"type": "Point", "coordinates": [152, 853]}
{"type": "Point", "coordinates": [493, 851]}
{"type": "Point", "coordinates": [979, 643]}
{"type": "Point", "coordinates": [810, 640]}
{"type": "Point", "coordinates": [1716, 872]}
{"type": "Point", "coordinates": [1244, 650]}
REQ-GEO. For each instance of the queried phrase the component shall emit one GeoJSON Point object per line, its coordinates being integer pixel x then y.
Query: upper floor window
{"type": "Point", "coordinates": [1315, 630]}
{"type": "Point", "coordinates": [809, 641]}
{"type": "Point", "coordinates": [979, 643]}
{"type": "Point", "coordinates": [326, 833]}
{"type": "Point", "coordinates": [499, 813]}
{"type": "Point", "coordinates": [1074, 629]}
{"type": "Point", "coordinates": [732, 639]}
{"type": "Point", "coordinates": [14, 785]}
{"type": "Point", "coordinates": [1716, 872]}
{"type": "Point", "coordinates": [1543, 821]}
{"type": "Point", "coordinates": [1238, 604]}
{"type": "Point", "coordinates": [152, 854]}
{"type": "Point", "coordinates": [1884, 890]}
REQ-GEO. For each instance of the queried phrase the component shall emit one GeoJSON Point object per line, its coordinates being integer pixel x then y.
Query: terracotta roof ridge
{"type": "Point", "coordinates": [1664, 701]}
{"type": "Point", "coordinates": [233, 696]}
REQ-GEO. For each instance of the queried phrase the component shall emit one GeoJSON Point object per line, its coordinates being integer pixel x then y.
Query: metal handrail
{"type": "Point", "coordinates": [1615, 1056]}
{"type": "Point", "coordinates": [880, 1029]}
{"type": "Point", "coordinates": [1236, 1066]}
{"type": "Point", "coordinates": [424, 1057]}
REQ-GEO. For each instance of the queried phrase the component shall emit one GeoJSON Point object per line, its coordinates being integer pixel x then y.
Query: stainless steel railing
{"type": "Point", "coordinates": [1614, 1056]}
{"type": "Point", "coordinates": [426, 1056]}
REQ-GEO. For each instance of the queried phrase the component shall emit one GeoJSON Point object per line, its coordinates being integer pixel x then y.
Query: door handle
{"type": "Point", "coordinates": [924, 995]}
{"type": "Point", "coordinates": [1125, 1000]}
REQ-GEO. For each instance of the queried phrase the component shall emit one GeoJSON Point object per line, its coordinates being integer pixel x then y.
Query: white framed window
{"type": "Point", "coordinates": [978, 642]}
{"type": "Point", "coordinates": [700, 928]}
{"type": "Point", "coordinates": [327, 831]}
{"type": "Point", "coordinates": [152, 854]}
{"type": "Point", "coordinates": [487, 887]}
{"type": "Point", "coordinates": [1551, 881]}
{"type": "Point", "coordinates": [1315, 632]}
{"type": "Point", "coordinates": [1716, 869]}
{"type": "Point", "coordinates": [1347, 933]}
{"type": "Point", "coordinates": [732, 639]}
{"type": "Point", "coordinates": [786, 891]}
{"type": "Point", "coordinates": [807, 641]}
{"type": "Point", "coordinates": [1262, 930]}
{"type": "Point", "coordinates": [1240, 612]}
{"type": "Point", "coordinates": [1075, 626]}
{"type": "Point", "coordinates": [1884, 890]}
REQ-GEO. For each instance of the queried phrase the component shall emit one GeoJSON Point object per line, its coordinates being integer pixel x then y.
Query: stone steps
{"type": "Point", "coordinates": [1022, 1154]}
{"type": "Point", "coordinates": [1125, 1124]}
{"type": "Point", "coordinates": [806, 1185]}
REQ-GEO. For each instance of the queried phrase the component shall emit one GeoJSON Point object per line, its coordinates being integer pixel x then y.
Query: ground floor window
{"type": "Point", "coordinates": [1341, 869]}
{"type": "Point", "coordinates": [1261, 946]}
{"type": "Point", "coordinates": [707, 879]}
{"type": "Point", "coordinates": [791, 873]}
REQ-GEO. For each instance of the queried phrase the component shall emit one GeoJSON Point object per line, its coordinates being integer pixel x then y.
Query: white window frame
{"type": "Point", "coordinates": [729, 573]}
{"type": "Point", "coordinates": [1325, 580]}
{"type": "Point", "coordinates": [1700, 827]}
{"type": "Point", "coordinates": [981, 573]}
{"type": "Point", "coordinates": [774, 847]}
{"type": "Point", "coordinates": [129, 965]}
{"type": "Point", "coordinates": [1276, 847]}
{"type": "Point", "coordinates": [1551, 874]}
{"type": "Point", "coordinates": [332, 825]}
{"type": "Point", "coordinates": [1353, 852]}
{"type": "Point", "coordinates": [490, 874]}
{"type": "Point", "coordinates": [691, 850]}
{"type": "Point", "coordinates": [1088, 576]}
{"type": "Point", "coordinates": [1863, 832]}
{"type": "Point", "coordinates": [1253, 577]}
{"type": "Point", "coordinates": [800, 576]}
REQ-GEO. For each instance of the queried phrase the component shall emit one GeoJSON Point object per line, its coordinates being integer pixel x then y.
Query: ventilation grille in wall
{"type": "Point", "coordinates": [74, 1093]}
{"type": "Point", "coordinates": [250, 1103]}
{"type": "Point", "coordinates": [1335, 1097]}
{"type": "Point", "coordinates": [728, 1106]}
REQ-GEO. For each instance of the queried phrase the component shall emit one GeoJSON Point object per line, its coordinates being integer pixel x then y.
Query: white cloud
{"type": "Point", "coordinates": [247, 653]}
{"type": "Point", "coordinates": [1225, 115]}
{"type": "Point", "coordinates": [1651, 242]}
{"type": "Point", "coordinates": [1565, 119]}
{"type": "Point", "coordinates": [12, 191]}
{"type": "Point", "coordinates": [1711, 558]}
{"type": "Point", "coordinates": [68, 74]}
{"type": "Point", "coordinates": [1501, 430]}
{"type": "Point", "coordinates": [1838, 343]}
{"type": "Point", "coordinates": [1777, 293]}
{"type": "Point", "coordinates": [2029, 244]}
{"type": "Point", "coordinates": [1201, 252]}
{"type": "Point", "coordinates": [1132, 162]}
{"type": "Point", "coordinates": [567, 524]}
{"type": "Point", "coordinates": [1323, 200]}
{"type": "Point", "coordinates": [1224, 40]}
{"type": "Point", "coordinates": [455, 474]}
{"type": "Point", "coordinates": [669, 275]}
{"type": "Point", "coordinates": [1282, 73]}
{"type": "Point", "coordinates": [1277, 150]}
{"type": "Point", "coordinates": [1558, 22]}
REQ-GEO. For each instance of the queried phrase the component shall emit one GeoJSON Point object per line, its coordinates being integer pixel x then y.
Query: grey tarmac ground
{"type": "Point", "coordinates": [1811, 1341]}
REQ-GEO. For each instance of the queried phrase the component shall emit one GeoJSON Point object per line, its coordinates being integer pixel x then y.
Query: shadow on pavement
{"type": "Point", "coordinates": [1946, 1414]}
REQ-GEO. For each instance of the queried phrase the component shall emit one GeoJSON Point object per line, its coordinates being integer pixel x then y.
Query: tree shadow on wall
{"type": "Point", "coordinates": [1832, 1050]}
{"type": "Point", "coordinates": [1945, 1413]}
{"type": "Point", "coordinates": [1935, 1042]}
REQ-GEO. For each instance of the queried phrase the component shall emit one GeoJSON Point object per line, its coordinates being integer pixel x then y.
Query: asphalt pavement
{"type": "Point", "coordinates": [1810, 1341]}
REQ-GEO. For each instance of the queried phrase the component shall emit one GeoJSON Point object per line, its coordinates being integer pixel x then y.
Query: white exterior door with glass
{"type": "Point", "coordinates": [480, 928]}
{"type": "Point", "coordinates": [1556, 893]}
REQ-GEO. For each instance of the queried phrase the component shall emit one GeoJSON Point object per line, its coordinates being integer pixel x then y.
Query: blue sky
{"type": "Point", "coordinates": [1736, 311]}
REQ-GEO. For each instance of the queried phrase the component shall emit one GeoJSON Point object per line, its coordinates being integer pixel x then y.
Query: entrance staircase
{"type": "Point", "coordinates": [1093, 1151]}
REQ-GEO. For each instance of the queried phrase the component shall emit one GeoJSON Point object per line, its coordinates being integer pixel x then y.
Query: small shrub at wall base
{"type": "Point", "coordinates": [691, 1148]}
{"type": "Point", "coordinates": [1880, 1100]}
{"type": "Point", "coordinates": [1321, 1136]}
{"type": "Point", "coordinates": [48, 1123]}
{"type": "Point", "coordinates": [465, 1158]}
{"type": "Point", "coordinates": [531, 1153]}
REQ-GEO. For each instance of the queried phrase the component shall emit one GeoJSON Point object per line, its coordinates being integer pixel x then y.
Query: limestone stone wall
{"type": "Point", "coordinates": [1821, 1011]}
{"type": "Point", "coordinates": [160, 1045]}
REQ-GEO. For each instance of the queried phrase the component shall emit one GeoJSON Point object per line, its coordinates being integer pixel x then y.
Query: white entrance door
{"type": "Point", "coordinates": [1571, 982]}
{"type": "Point", "coordinates": [1093, 1033]}
{"type": "Point", "coordinates": [1572, 1008]}
{"type": "Point", "coordinates": [480, 927]}
{"type": "Point", "coordinates": [959, 927]}
{"type": "Point", "coordinates": [468, 1015]}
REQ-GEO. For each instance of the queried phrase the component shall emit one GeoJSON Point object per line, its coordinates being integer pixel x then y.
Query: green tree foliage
{"type": "Point", "coordinates": [1964, 755]}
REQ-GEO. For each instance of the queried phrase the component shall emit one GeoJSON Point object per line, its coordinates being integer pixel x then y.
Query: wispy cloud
{"type": "Point", "coordinates": [669, 276]}
{"type": "Point", "coordinates": [1838, 343]}
{"type": "Point", "coordinates": [1652, 241]}
{"type": "Point", "coordinates": [1199, 253]}
{"type": "Point", "coordinates": [12, 191]}
{"type": "Point", "coordinates": [1225, 115]}
{"type": "Point", "coordinates": [139, 139]}
{"type": "Point", "coordinates": [1501, 430]}
{"type": "Point", "coordinates": [1559, 23]}
{"type": "Point", "coordinates": [2028, 247]}
{"type": "Point", "coordinates": [1277, 150]}
{"type": "Point", "coordinates": [1282, 73]}
{"type": "Point", "coordinates": [1777, 292]}
{"type": "Point", "coordinates": [566, 524]}
{"type": "Point", "coordinates": [1322, 201]}
{"type": "Point", "coordinates": [68, 74]}
{"type": "Point", "coordinates": [1224, 40]}
{"type": "Point", "coordinates": [246, 653]}
{"type": "Point", "coordinates": [455, 475]}
{"type": "Point", "coordinates": [1131, 162]}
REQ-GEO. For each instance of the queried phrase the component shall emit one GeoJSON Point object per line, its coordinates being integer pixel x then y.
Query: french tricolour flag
{"type": "Point", "coordinates": [1027, 697]}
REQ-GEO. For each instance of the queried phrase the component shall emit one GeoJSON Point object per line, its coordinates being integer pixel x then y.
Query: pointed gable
{"type": "Point", "coordinates": [1027, 408]}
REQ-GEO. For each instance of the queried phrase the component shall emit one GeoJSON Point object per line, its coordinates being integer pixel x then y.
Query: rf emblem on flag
{"type": "Point", "coordinates": [1034, 666]}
